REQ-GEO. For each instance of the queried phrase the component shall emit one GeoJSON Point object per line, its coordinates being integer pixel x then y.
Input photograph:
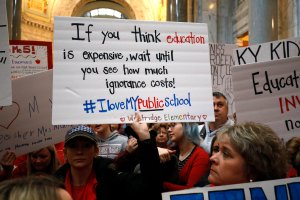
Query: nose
{"type": "Point", "coordinates": [216, 107]}
{"type": "Point", "coordinates": [214, 158]}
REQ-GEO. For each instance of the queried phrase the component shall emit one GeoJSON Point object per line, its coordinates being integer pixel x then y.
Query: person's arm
{"type": "Point", "coordinates": [149, 158]}
{"type": "Point", "coordinates": [146, 185]}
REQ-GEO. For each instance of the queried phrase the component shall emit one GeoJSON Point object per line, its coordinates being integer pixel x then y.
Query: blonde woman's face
{"type": "Point", "coordinates": [227, 165]}
{"type": "Point", "coordinates": [40, 160]}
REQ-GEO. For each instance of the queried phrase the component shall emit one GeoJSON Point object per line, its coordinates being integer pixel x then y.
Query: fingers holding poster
{"type": "Point", "coordinates": [272, 90]}
{"type": "Point", "coordinates": [108, 69]}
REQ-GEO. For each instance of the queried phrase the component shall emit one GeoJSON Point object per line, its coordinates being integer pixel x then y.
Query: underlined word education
{"type": "Point", "coordinates": [190, 38]}
{"type": "Point", "coordinates": [137, 103]}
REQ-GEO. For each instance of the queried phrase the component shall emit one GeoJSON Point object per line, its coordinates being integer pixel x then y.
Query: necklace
{"type": "Point", "coordinates": [183, 157]}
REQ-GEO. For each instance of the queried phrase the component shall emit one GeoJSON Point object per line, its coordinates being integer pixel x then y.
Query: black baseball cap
{"type": "Point", "coordinates": [81, 131]}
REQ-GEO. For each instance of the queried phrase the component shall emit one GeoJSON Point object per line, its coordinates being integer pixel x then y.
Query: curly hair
{"type": "Point", "coordinates": [293, 152]}
{"type": "Point", "coordinates": [262, 149]}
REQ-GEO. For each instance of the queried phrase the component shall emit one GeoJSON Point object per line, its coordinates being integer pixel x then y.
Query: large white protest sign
{"type": "Point", "coordinates": [281, 189]}
{"type": "Point", "coordinates": [269, 93]}
{"type": "Point", "coordinates": [269, 51]}
{"type": "Point", "coordinates": [5, 81]}
{"type": "Point", "coordinates": [221, 61]}
{"type": "Point", "coordinates": [26, 125]}
{"type": "Point", "coordinates": [105, 70]}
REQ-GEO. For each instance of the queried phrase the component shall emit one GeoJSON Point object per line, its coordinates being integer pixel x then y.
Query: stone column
{"type": "Point", "coordinates": [263, 22]}
{"type": "Point", "coordinates": [177, 10]}
{"type": "Point", "coordinates": [297, 7]}
{"type": "Point", "coordinates": [16, 19]}
{"type": "Point", "coordinates": [224, 22]}
{"type": "Point", "coordinates": [9, 9]}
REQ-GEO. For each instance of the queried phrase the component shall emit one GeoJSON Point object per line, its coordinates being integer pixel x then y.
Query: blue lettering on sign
{"type": "Point", "coordinates": [234, 194]}
{"type": "Point", "coordinates": [294, 190]}
{"type": "Point", "coordinates": [195, 196]}
{"type": "Point", "coordinates": [281, 192]}
{"type": "Point", "coordinates": [257, 194]}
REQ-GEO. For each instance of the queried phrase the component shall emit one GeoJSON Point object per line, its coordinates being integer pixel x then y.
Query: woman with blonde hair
{"type": "Point", "coordinates": [33, 188]}
{"type": "Point", "coordinates": [39, 162]}
{"type": "Point", "coordinates": [245, 153]}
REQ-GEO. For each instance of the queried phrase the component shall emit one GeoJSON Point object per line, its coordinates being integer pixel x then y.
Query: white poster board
{"type": "Point", "coordinates": [281, 189]}
{"type": "Point", "coordinates": [269, 51]}
{"type": "Point", "coordinates": [26, 125]}
{"type": "Point", "coordinates": [106, 70]}
{"type": "Point", "coordinates": [221, 61]}
{"type": "Point", "coordinates": [269, 93]}
{"type": "Point", "coordinates": [5, 81]}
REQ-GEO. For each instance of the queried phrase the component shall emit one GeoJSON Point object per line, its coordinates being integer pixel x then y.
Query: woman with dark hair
{"type": "Point", "coordinates": [245, 153]}
{"type": "Point", "coordinates": [293, 154]}
{"type": "Point", "coordinates": [193, 161]}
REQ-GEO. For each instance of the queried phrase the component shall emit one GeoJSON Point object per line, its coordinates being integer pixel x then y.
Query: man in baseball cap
{"type": "Point", "coordinates": [88, 176]}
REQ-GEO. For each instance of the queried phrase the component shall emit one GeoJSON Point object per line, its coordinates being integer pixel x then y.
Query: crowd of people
{"type": "Point", "coordinates": [140, 160]}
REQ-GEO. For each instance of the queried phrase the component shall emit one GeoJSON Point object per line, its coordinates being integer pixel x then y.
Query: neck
{"type": "Point", "coordinates": [218, 124]}
{"type": "Point", "coordinates": [80, 176]}
{"type": "Point", "coordinates": [185, 148]}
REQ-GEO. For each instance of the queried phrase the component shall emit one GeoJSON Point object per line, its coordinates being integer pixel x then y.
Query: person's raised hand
{"type": "Point", "coordinates": [140, 128]}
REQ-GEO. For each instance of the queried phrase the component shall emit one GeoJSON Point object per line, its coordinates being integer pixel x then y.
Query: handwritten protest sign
{"type": "Point", "coordinates": [26, 125]}
{"type": "Point", "coordinates": [221, 61]}
{"type": "Point", "coordinates": [268, 92]}
{"type": "Point", "coordinates": [269, 51]}
{"type": "Point", "coordinates": [281, 189]}
{"type": "Point", "coordinates": [29, 57]}
{"type": "Point", "coordinates": [5, 81]}
{"type": "Point", "coordinates": [105, 70]}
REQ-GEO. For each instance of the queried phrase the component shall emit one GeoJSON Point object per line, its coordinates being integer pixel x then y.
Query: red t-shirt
{"type": "Point", "coordinates": [85, 192]}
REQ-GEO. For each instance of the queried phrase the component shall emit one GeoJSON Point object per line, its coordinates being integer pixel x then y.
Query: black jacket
{"type": "Point", "coordinates": [116, 185]}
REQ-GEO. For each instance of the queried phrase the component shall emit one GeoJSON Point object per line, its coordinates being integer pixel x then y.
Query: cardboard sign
{"type": "Point", "coordinates": [106, 70]}
{"type": "Point", "coordinates": [221, 61]}
{"type": "Point", "coordinates": [269, 51]}
{"type": "Point", "coordinates": [269, 93]}
{"type": "Point", "coordinates": [25, 126]}
{"type": "Point", "coordinates": [5, 81]}
{"type": "Point", "coordinates": [29, 57]}
{"type": "Point", "coordinates": [281, 189]}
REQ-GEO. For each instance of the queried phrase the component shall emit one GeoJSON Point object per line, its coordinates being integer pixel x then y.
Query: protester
{"type": "Point", "coordinates": [162, 137]}
{"type": "Point", "coordinates": [88, 176]}
{"type": "Point", "coordinates": [209, 130]}
{"type": "Point", "coordinates": [193, 161]}
{"type": "Point", "coordinates": [33, 188]}
{"type": "Point", "coordinates": [245, 153]}
{"type": "Point", "coordinates": [293, 154]}
{"type": "Point", "coordinates": [42, 161]}
{"type": "Point", "coordinates": [110, 143]}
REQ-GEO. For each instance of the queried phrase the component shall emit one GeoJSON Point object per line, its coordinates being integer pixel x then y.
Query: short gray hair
{"type": "Point", "coordinates": [262, 149]}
